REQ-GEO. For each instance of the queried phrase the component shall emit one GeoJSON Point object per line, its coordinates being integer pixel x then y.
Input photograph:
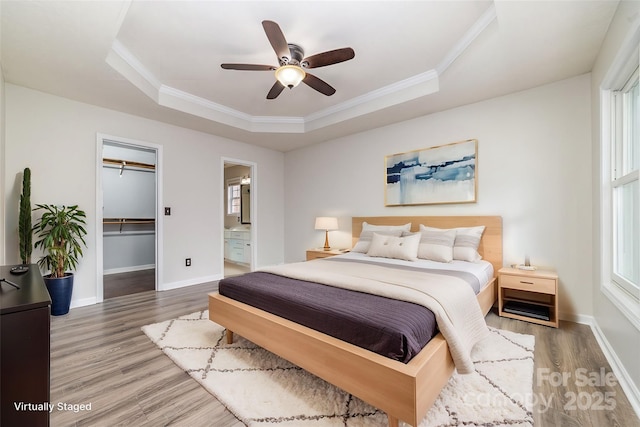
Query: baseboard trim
{"type": "Point", "coordinates": [189, 282]}
{"type": "Point", "coordinates": [583, 319]}
{"type": "Point", "coordinates": [165, 287]}
{"type": "Point", "coordinates": [624, 379]}
{"type": "Point", "coordinates": [83, 302]}
{"type": "Point", "coordinates": [129, 269]}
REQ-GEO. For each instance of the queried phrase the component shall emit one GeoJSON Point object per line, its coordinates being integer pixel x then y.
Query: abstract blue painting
{"type": "Point", "coordinates": [442, 174]}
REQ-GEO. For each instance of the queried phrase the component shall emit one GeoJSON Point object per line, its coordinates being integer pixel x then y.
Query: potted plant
{"type": "Point", "coordinates": [61, 233]}
{"type": "Point", "coordinates": [25, 232]}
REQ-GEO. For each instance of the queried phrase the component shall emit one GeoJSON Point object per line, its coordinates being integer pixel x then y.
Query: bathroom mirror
{"type": "Point", "coordinates": [245, 204]}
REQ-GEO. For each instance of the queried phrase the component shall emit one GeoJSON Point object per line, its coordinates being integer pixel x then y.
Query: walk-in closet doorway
{"type": "Point", "coordinates": [128, 209]}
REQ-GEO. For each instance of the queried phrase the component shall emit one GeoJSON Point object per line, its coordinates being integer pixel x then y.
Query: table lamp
{"type": "Point", "coordinates": [326, 223]}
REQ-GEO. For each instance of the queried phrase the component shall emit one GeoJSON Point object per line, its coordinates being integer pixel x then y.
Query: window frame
{"type": "Point", "coordinates": [621, 177]}
{"type": "Point", "coordinates": [621, 77]}
{"type": "Point", "coordinates": [231, 188]}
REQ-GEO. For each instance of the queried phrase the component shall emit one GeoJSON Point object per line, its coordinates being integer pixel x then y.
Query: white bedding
{"type": "Point", "coordinates": [482, 269]}
{"type": "Point", "coordinates": [450, 297]}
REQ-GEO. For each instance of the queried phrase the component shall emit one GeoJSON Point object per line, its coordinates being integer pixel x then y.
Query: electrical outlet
{"type": "Point", "coordinates": [187, 262]}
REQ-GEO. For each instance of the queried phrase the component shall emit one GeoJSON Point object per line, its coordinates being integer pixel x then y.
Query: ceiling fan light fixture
{"type": "Point", "coordinates": [290, 75]}
{"type": "Point", "coordinates": [293, 63]}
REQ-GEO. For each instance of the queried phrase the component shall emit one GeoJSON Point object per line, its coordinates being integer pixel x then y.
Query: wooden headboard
{"type": "Point", "coordinates": [490, 245]}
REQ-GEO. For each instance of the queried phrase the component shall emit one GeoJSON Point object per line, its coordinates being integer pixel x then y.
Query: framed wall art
{"type": "Point", "coordinates": [442, 174]}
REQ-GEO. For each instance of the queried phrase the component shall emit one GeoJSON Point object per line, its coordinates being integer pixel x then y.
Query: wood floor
{"type": "Point", "coordinates": [99, 356]}
{"type": "Point", "coordinates": [571, 352]}
{"type": "Point", "coordinates": [120, 284]}
{"type": "Point", "coordinates": [233, 269]}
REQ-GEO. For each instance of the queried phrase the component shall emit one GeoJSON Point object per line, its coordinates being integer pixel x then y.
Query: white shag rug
{"type": "Point", "coordinates": [262, 389]}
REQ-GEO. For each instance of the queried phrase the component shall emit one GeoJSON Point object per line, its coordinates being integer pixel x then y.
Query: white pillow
{"type": "Point", "coordinates": [436, 244]}
{"type": "Point", "coordinates": [465, 248]}
{"type": "Point", "coordinates": [395, 247]}
{"type": "Point", "coordinates": [367, 233]}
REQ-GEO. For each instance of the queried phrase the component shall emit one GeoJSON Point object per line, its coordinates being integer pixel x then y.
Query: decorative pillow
{"type": "Point", "coordinates": [394, 247]}
{"type": "Point", "coordinates": [466, 245]}
{"type": "Point", "coordinates": [367, 233]}
{"type": "Point", "coordinates": [436, 244]}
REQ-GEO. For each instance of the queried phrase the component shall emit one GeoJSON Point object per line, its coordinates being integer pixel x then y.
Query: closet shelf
{"type": "Point", "coordinates": [119, 162]}
{"type": "Point", "coordinates": [123, 221]}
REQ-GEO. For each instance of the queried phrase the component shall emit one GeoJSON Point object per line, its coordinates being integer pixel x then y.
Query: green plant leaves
{"type": "Point", "coordinates": [61, 233]}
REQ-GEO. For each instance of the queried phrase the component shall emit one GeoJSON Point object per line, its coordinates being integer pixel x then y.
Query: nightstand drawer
{"type": "Point", "coordinates": [321, 253]}
{"type": "Point", "coordinates": [532, 284]}
{"type": "Point", "coordinates": [324, 255]}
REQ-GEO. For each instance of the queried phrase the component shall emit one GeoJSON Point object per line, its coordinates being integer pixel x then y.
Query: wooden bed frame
{"type": "Point", "coordinates": [404, 391]}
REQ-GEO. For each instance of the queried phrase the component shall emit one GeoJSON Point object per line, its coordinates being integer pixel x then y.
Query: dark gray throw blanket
{"type": "Point", "coordinates": [393, 328]}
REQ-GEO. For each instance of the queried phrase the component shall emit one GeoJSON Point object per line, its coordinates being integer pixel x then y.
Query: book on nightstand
{"type": "Point", "coordinates": [529, 310]}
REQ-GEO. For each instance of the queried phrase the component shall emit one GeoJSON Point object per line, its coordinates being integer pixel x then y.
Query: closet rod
{"type": "Point", "coordinates": [123, 221]}
{"type": "Point", "coordinates": [129, 220]}
{"type": "Point", "coordinates": [119, 162]}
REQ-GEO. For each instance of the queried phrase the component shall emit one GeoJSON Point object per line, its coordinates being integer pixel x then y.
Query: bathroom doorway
{"type": "Point", "coordinates": [239, 184]}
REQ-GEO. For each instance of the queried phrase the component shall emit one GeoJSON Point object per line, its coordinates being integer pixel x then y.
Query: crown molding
{"type": "Point", "coordinates": [278, 124]}
{"type": "Point", "coordinates": [176, 99]}
{"type": "Point", "coordinates": [472, 33]}
{"type": "Point", "coordinates": [125, 63]}
{"type": "Point", "coordinates": [420, 85]}
{"type": "Point", "coordinates": [405, 90]}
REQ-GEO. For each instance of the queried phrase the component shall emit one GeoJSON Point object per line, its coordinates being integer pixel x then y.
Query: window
{"type": "Point", "coordinates": [625, 188]}
{"type": "Point", "coordinates": [233, 197]}
{"type": "Point", "coordinates": [620, 184]}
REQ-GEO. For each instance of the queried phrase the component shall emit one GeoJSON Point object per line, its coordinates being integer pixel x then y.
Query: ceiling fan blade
{"type": "Point", "coordinates": [318, 84]}
{"type": "Point", "coordinates": [277, 40]}
{"type": "Point", "coordinates": [276, 90]}
{"type": "Point", "coordinates": [248, 67]}
{"type": "Point", "coordinates": [330, 57]}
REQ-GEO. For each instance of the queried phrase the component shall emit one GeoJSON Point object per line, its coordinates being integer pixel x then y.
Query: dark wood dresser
{"type": "Point", "coordinates": [24, 349]}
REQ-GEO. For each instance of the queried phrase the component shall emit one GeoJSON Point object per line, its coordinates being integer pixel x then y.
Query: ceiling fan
{"type": "Point", "coordinates": [293, 64]}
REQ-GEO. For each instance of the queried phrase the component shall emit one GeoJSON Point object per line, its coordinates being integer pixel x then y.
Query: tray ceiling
{"type": "Point", "coordinates": [161, 60]}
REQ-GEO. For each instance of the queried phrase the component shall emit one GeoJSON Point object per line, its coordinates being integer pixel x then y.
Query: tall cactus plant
{"type": "Point", "coordinates": [25, 231]}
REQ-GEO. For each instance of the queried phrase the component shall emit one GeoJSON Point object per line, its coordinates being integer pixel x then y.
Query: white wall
{"type": "Point", "coordinates": [534, 169]}
{"type": "Point", "coordinates": [56, 138]}
{"type": "Point", "coordinates": [621, 337]}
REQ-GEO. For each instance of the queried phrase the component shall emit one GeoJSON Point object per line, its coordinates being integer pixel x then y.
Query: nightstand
{"type": "Point", "coordinates": [528, 295]}
{"type": "Point", "coordinates": [321, 253]}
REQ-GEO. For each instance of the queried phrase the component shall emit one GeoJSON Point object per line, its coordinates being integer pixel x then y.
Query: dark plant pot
{"type": "Point", "coordinates": [60, 290]}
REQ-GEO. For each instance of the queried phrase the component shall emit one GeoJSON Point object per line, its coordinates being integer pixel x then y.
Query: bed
{"type": "Point", "coordinates": [404, 391]}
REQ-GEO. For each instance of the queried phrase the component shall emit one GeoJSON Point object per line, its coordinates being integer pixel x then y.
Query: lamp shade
{"type": "Point", "coordinates": [290, 75]}
{"type": "Point", "coordinates": [326, 223]}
